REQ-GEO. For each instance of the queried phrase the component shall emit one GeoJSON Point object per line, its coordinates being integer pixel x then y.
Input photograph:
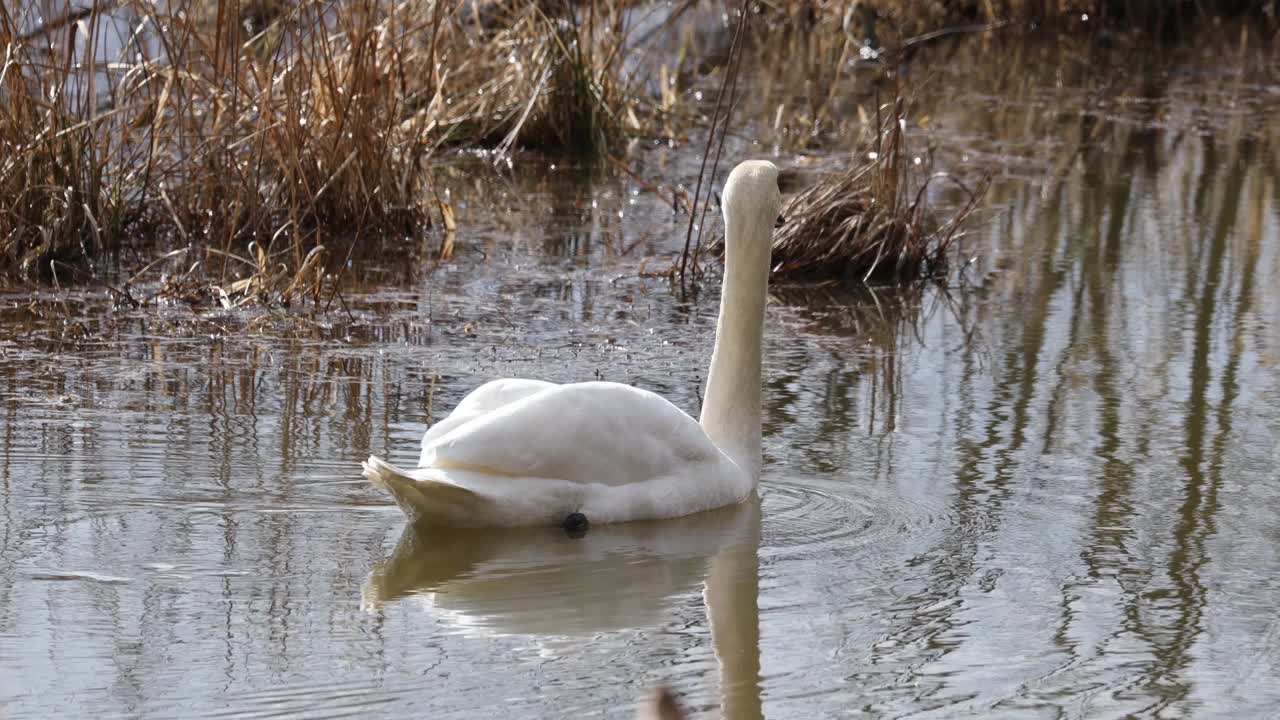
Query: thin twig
{"type": "Point", "coordinates": [711, 135]}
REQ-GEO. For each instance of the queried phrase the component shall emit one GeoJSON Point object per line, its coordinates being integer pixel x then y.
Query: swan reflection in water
{"type": "Point", "coordinates": [515, 582]}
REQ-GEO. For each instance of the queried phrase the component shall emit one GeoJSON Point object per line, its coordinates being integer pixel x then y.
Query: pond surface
{"type": "Point", "coordinates": [1050, 493]}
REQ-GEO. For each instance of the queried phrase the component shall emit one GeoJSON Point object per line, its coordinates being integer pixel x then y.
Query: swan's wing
{"type": "Point", "coordinates": [595, 432]}
{"type": "Point", "coordinates": [484, 399]}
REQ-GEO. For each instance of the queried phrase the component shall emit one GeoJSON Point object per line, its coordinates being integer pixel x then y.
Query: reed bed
{"type": "Point", "coordinates": [257, 133]}
{"type": "Point", "coordinates": [872, 224]}
{"type": "Point", "coordinates": [265, 140]}
{"type": "Point", "coordinates": [901, 23]}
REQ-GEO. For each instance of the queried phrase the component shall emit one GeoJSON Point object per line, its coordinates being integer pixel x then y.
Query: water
{"type": "Point", "coordinates": [1051, 494]}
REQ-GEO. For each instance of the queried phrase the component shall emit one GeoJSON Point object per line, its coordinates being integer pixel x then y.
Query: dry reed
{"type": "Point", "coordinates": [255, 132]}
{"type": "Point", "coordinates": [905, 21]}
{"type": "Point", "coordinates": [662, 704]}
{"type": "Point", "coordinates": [259, 132]}
{"type": "Point", "coordinates": [872, 224]}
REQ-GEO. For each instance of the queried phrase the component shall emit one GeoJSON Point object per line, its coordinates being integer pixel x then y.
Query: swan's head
{"type": "Point", "coordinates": [751, 196]}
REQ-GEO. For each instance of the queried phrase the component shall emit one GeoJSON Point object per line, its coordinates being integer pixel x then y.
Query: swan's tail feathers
{"type": "Point", "coordinates": [424, 499]}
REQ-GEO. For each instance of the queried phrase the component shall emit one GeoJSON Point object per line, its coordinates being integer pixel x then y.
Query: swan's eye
{"type": "Point", "coordinates": [782, 220]}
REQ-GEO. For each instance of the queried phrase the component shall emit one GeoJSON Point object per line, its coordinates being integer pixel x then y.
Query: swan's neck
{"type": "Point", "coordinates": [731, 406]}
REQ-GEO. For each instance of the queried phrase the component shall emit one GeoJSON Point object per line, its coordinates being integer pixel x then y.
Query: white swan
{"type": "Point", "coordinates": [526, 452]}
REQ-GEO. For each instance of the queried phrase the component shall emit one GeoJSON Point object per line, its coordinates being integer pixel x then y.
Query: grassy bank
{"type": "Point", "coordinates": [872, 224]}
{"type": "Point", "coordinates": [249, 138]}
{"type": "Point", "coordinates": [904, 21]}
{"type": "Point", "coordinates": [263, 129]}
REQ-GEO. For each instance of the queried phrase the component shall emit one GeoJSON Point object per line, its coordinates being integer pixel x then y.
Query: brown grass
{"type": "Point", "coordinates": [284, 125]}
{"type": "Point", "coordinates": [899, 22]}
{"type": "Point", "coordinates": [204, 134]}
{"type": "Point", "coordinates": [662, 704]}
{"type": "Point", "coordinates": [872, 224]}
{"type": "Point", "coordinates": [256, 133]}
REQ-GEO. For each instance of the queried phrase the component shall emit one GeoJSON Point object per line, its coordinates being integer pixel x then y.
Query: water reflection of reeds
{"type": "Point", "coordinates": [1123, 282]}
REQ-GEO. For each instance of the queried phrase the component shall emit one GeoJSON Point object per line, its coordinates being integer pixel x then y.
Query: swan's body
{"type": "Point", "coordinates": [526, 452]}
